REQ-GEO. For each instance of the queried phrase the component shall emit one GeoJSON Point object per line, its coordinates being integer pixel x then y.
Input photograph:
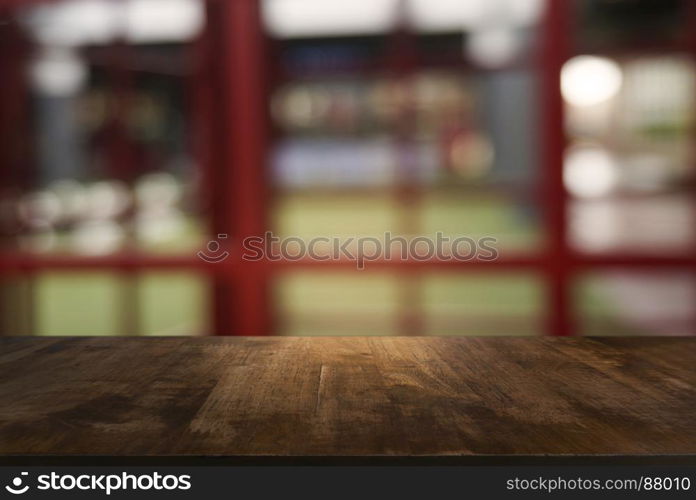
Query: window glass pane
{"type": "Point", "coordinates": [630, 162]}
{"type": "Point", "coordinates": [106, 161]}
{"type": "Point", "coordinates": [82, 303]}
{"type": "Point", "coordinates": [483, 305]}
{"type": "Point", "coordinates": [173, 304]}
{"type": "Point", "coordinates": [337, 304]}
{"type": "Point", "coordinates": [511, 222]}
{"type": "Point", "coordinates": [388, 304]}
{"type": "Point", "coordinates": [420, 126]}
{"type": "Point", "coordinates": [637, 303]}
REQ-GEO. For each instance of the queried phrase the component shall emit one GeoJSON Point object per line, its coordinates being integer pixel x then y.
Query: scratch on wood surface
{"type": "Point", "coordinates": [320, 387]}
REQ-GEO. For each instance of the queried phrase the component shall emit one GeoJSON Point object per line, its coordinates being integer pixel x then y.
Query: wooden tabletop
{"type": "Point", "coordinates": [349, 397]}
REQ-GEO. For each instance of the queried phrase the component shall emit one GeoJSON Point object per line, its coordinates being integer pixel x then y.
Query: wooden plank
{"type": "Point", "coordinates": [367, 397]}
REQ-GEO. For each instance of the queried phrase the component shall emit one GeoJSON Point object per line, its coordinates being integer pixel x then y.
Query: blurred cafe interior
{"type": "Point", "coordinates": [136, 133]}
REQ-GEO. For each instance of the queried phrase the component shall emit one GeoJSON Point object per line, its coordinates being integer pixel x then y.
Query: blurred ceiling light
{"type": "Point", "coordinates": [590, 80]}
{"type": "Point", "coordinates": [444, 15]}
{"type": "Point", "coordinates": [74, 22]}
{"type": "Point", "coordinates": [159, 20]}
{"type": "Point", "coordinates": [493, 47]}
{"type": "Point", "coordinates": [58, 72]}
{"type": "Point", "coordinates": [525, 12]}
{"type": "Point", "coordinates": [84, 22]}
{"type": "Point", "coordinates": [472, 15]}
{"type": "Point", "coordinates": [589, 172]}
{"type": "Point", "coordinates": [296, 18]}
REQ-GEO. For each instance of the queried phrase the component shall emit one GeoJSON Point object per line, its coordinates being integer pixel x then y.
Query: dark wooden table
{"type": "Point", "coordinates": [456, 399]}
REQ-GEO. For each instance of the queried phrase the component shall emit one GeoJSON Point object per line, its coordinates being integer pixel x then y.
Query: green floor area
{"type": "Point", "coordinates": [316, 304]}
{"type": "Point", "coordinates": [355, 303]}
{"type": "Point", "coordinates": [94, 303]}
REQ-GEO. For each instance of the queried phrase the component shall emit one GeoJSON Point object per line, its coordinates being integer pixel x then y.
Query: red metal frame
{"type": "Point", "coordinates": [554, 52]}
{"type": "Point", "coordinates": [232, 134]}
{"type": "Point", "coordinates": [242, 304]}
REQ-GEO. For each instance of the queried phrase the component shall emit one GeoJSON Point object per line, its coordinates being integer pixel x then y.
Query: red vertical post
{"type": "Point", "coordinates": [207, 97]}
{"type": "Point", "coordinates": [402, 63]}
{"type": "Point", "coordinates": [16, 167]}
{"type": "Point", "coordinates": [555, 47]}
{"type": "Point", "coordinates": [243, 306]}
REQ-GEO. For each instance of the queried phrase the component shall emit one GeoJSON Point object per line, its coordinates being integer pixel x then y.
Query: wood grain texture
{"type": "Point", "coordinates": [347, 396]}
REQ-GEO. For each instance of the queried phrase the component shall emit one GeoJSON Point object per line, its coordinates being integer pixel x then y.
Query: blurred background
{"type": "Point", "coordinates": [134, 132]}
